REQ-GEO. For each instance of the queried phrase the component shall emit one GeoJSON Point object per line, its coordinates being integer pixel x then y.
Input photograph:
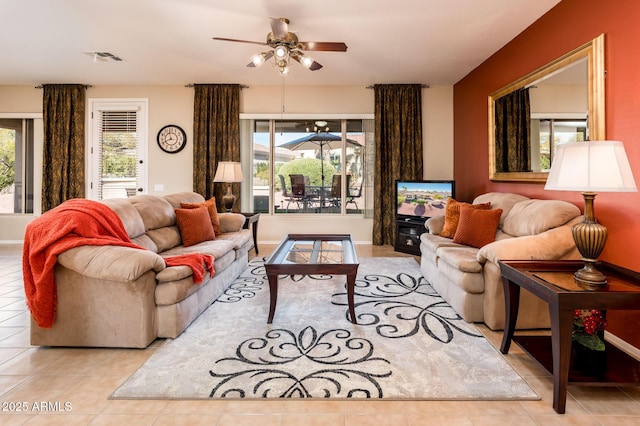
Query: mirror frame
{"type": "Point", "coordinates": [594, 51]}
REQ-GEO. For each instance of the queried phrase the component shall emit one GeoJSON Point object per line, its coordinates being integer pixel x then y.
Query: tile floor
{"type": "Point", "coordinates": [70, 386]}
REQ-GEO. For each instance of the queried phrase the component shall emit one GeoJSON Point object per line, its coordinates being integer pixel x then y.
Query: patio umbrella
{"type": "Point", "coordinates": [318, 140]}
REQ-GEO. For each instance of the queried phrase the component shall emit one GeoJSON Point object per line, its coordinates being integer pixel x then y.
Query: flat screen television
{"type": "Point", "coordinates": [422, 199]}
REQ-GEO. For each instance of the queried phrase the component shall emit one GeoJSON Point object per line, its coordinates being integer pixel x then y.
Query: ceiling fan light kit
{"type": "Point", "coordinates": [258, 59]}
{"type": "Point", "coordinates": [285, 46]}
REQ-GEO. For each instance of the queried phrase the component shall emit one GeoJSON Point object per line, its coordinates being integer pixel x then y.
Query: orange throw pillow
{"type": "Point", "coordinates": [195, 225]}
{"type": "Point", "coordinates": [477, 227]}
{"type": "Point", "coordinates": [452, 216]}
{"type": "Point", "coordinates": [210, 204]}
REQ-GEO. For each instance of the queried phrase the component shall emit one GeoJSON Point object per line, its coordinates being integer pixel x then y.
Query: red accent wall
{"type": "Point", "coordinates": [567, 26]}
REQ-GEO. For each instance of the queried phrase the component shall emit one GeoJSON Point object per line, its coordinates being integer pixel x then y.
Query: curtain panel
{"type": "Point", "coordinates": [216, 137]}
{"type": "Point", "coordinates": [63, 160]}
{"type": "Point", "coordinates": [513, 130]}
{"type": "Point", "coordinates": [398, 142]}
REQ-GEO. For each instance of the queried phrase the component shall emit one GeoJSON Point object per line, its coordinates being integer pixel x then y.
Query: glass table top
{"type": "Point", "coordinates": [335, 249]}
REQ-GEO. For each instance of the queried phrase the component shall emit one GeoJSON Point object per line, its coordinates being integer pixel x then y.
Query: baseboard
{"type": "Point", "coordinates": [622, 345]}
{"type": "Point", "coordinates": [8, 242]}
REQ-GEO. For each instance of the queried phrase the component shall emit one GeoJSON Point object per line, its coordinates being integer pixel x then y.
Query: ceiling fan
{"type": "Point", "coordinates": [285, 45]}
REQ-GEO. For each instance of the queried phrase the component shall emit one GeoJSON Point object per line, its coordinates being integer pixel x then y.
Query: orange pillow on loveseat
{"type": "Point", "coordinates": [477, 227]}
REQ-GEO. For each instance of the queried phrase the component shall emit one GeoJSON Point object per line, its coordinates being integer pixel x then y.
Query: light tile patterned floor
{"type": "Point", "coordinates": [44, 379]}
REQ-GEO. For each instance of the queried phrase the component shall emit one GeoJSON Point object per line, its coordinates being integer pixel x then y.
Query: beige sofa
{"type": "Point", "coordinates": [469, 278]}
{"type": "Point", "coordinates": [112, 296]}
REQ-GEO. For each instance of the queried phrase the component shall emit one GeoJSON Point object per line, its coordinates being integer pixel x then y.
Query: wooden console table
{"type": "Point", "coordinates": [552, 281]}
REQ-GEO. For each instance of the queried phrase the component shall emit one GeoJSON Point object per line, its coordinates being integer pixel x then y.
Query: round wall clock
{"type": "Point", "coordinates": [172, 139]}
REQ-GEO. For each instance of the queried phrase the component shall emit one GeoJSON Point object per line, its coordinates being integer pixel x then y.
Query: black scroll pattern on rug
{"type": "Point", "coordinates": [249, 283]}
{"type": "Point", "coordinates": [401, 306]}
{"type": "Point", "coordinates": [245, 286]}
{"type": "Point", "coordinates": [308, 364]}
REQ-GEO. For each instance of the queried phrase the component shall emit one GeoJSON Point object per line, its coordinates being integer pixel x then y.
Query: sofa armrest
{"type": "Point", "coordinates": [556, 243]}
{"type": "Point", "coordinates": [434, 224]}
{"type": "Point", "coordinates": [114, 263]}
{"type": "Point", "coordinates": [231, 222]}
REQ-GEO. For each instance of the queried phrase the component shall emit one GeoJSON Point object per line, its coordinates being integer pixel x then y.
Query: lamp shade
{"type": "Point", "coordinates": [595, 166]}
{"type": "Point", "coordinates": [228, 171]}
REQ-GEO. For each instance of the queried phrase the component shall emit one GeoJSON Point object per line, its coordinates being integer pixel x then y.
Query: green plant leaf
{"type": "Point", "coordinates": [591, 342]}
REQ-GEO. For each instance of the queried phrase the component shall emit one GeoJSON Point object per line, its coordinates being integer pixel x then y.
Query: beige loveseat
{"type": "Point", "coordinates": [469, 278]}
{"type": "Point", "coordinates": [113, 296]}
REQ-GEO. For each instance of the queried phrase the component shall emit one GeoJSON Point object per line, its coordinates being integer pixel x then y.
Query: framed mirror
{"type": "Point", "coordinates": [565, 95]}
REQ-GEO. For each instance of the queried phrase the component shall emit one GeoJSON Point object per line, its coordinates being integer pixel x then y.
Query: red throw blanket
{"type": "Point", "coordinates": [75, 223]}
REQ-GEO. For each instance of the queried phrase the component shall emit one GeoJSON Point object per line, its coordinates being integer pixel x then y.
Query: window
{"type": "Point", "coordinates": [307, 166]}
{"type": "Point", "coordinates": [16, 165]}
{"type": "Point", "coordinates": [549, 133]}
{"type": "Point", "coordinates": [118, 148]}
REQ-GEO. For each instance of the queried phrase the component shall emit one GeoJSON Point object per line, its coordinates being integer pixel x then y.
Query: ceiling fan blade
{"type": "Point", "coordinates": [325, 46]}
{"type": "Point", "coordinates": [239, 41]}
{"type": "Point", "coordinates": [279, 27]}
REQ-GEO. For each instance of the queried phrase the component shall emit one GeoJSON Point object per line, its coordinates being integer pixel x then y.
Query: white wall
{"type": "Point", "coordinates": [437, 132]}
{"type": "Point", "coordinates": [174, 105]}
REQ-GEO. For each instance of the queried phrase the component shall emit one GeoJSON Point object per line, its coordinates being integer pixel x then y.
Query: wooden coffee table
{"type": "Point", "coordinates": [305, 254]}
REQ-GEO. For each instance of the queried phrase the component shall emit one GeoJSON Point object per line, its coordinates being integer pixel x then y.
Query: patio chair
{"type": "Point", "coordinates": [286, 195]}
{"type": "Point", "coordinates": [335, 197]}
{"type": "Point", "coordinates": [300, 190]}
{"type": "Point", "coordinates": [353, 194]}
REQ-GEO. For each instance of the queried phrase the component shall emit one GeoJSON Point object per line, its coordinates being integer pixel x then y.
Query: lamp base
{"type": "Point", "coordinates": [589, 278]}
{"type": "Point", "coordinates": [228, 200]}
{"type": "Point", "coordinates": [590, 237]}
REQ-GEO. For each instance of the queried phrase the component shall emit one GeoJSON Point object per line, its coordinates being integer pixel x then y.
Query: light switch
{"type": "Point", "coordinates": [158, 187]}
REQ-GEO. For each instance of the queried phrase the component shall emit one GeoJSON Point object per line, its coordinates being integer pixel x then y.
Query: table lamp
{"type": "Point", "coordinates": [590, 167]}
{"type": "Point", "coordinates": [228, 172]}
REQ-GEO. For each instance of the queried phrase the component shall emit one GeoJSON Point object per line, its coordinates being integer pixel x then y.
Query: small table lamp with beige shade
{"type": "Point", "coordinates": [590, 167]}
{"type": "Point", "coordinates": [228, 172]}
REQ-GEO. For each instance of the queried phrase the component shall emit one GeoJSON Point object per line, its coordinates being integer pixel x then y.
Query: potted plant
{"type": "Point", "coordinates": [588, 347]}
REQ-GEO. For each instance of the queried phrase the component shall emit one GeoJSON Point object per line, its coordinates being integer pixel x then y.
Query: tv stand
{"type": "Point", "coordinates": [408, 231]}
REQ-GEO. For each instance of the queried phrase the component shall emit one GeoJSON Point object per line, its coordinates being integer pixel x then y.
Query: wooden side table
{"type": "Point", "coordinates": [252, 220]}
{"type": "Point", "coordinates": [553, 282]}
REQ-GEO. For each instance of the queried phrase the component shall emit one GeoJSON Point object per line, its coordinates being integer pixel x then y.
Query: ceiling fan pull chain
{"type": "Point", "coordinates": [282, 99]}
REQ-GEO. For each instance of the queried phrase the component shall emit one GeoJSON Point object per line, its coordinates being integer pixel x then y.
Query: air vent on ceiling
{"type": "Point", "coordinates": [104, 56]}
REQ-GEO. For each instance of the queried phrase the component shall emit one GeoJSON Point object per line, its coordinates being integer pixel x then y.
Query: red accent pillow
{"type": "Point", "coordinates": [210, 204]}
{"type": "Point", "coordinates": [452, 216]}
{"type": "Point", "coordinates": [477, 227]}
{"type": "Point", "coordinates": [195, 225]}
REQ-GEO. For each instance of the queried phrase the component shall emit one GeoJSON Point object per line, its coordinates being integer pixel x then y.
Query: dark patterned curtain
{"type": "Point", "coordinates": [64, 140]}
{"type": "Point", "coordinates": [216, 137]}
{"type": "Point", "coordinates": [398, 140]}
{"type": "Point", "coordinates": [513, 145]}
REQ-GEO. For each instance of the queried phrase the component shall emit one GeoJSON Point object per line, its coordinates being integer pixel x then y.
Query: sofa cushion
{"type": "Point", "coordinates": [175, 283]}
{"type": "Point", "coordinates": [462, 258]}
{"type": "Point", "coordinates": [452, 216]}
{"type": "Point", "coordinates": [434, 242]}
{"type": "Point", "coordinates": [183, 197]}
{"type": "Point", "coordinates": [239, 238]}
{"type": "Point", "coordinates": [156, 212]}
{"type": "Point", "coordinates": [165, 238]}
{"type": "Point", "coordinates": [195, 225]}
{"type": "Point", "coordinates": [532, 217]}
{"type": "Point", "coordinates": [500, 200]}
{"type": "Point", "coordinates": [210, 204]}
{"type": "Point", "coordinates": [128, 214]}
{"type": "Point", "coordinates": [477, 227]}
{"type": "Point", "coordinates": [146, 242]}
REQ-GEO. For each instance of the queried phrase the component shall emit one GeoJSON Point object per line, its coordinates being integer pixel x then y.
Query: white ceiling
{"type": "Point", "coordinates": [434, 42]}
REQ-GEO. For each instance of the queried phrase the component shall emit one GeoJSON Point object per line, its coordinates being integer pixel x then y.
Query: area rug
{"type": "Point", "coordinates": [408, 344]}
